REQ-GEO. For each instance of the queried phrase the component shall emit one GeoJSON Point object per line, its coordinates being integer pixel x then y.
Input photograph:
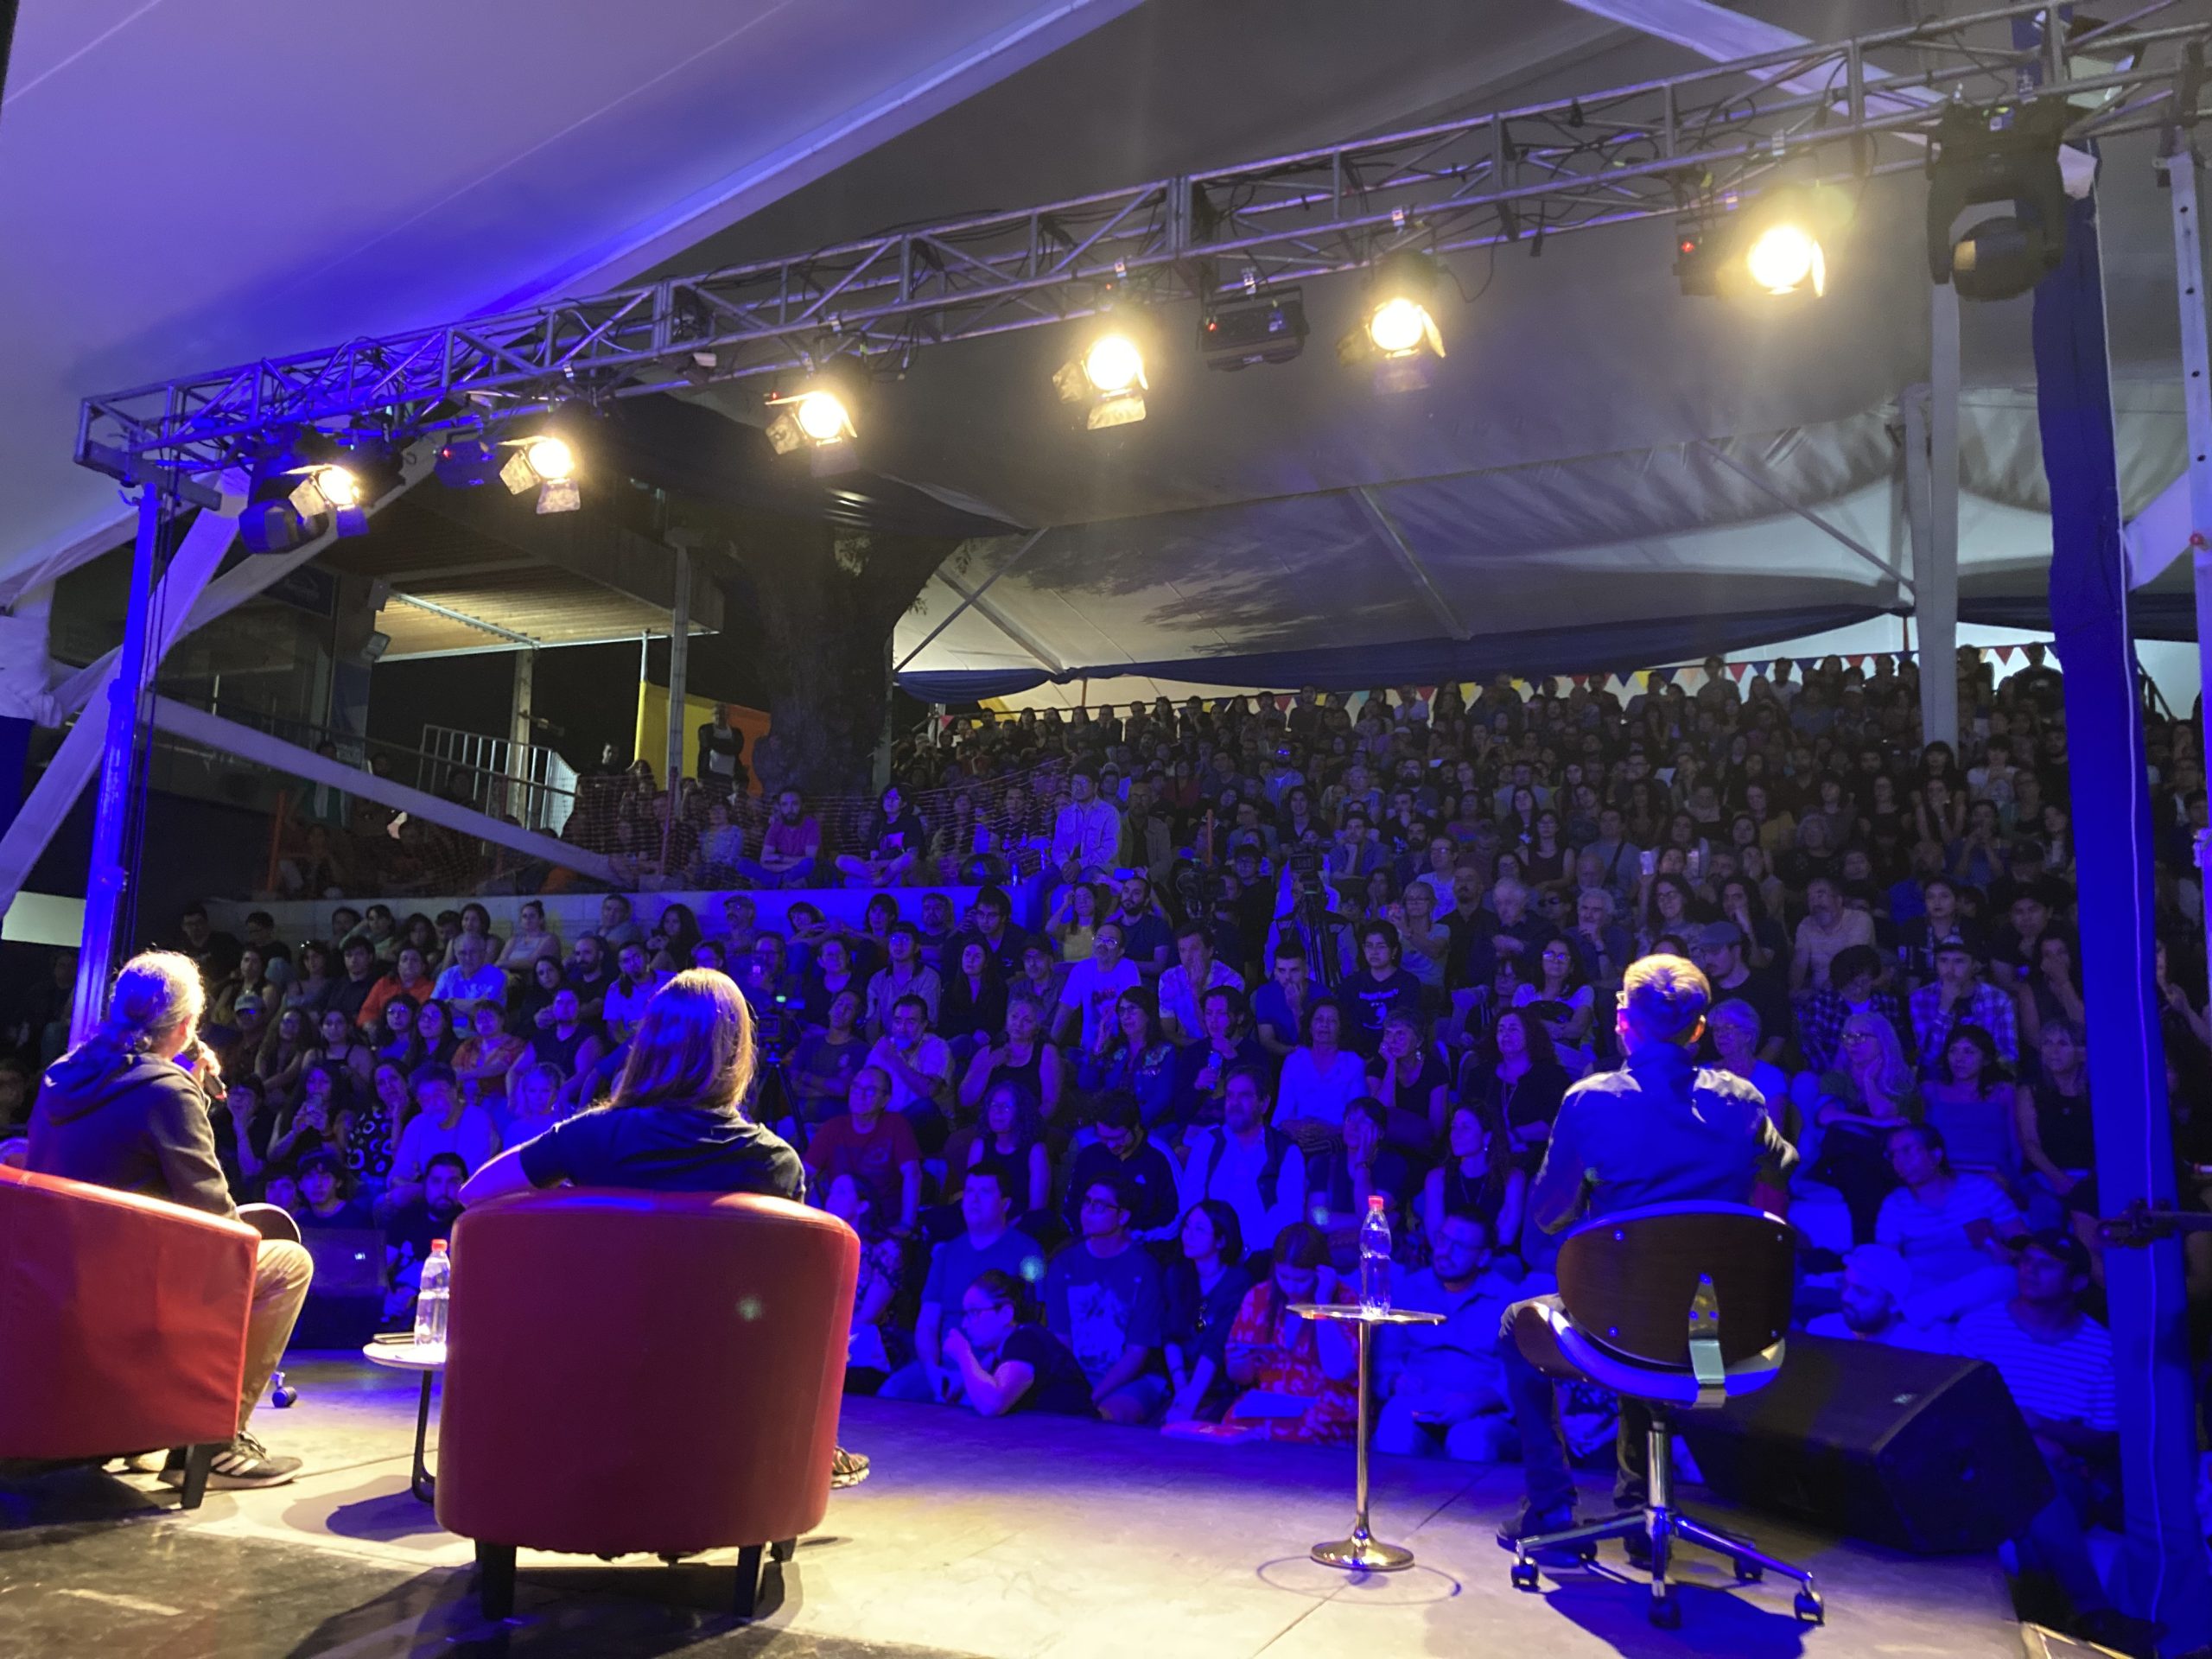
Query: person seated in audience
{"type": "Point", "coordinates": [1319, 1080]}
{"type": "Point", "coordinates": [896, 837]}
{"type": "Point", "coordinates": [790, 846]}
{"type": "Point", "coordinates": [1363, 1168]}
{"type": "Point", "coordinates": [1183, 988]}
{"type": "Point", "coordinates": [487, 1055]}
{"type": "Point", "coordinates": [2052, 1115]}
{"type": "Point", "coordinates": [939, 929]}
{"type": "Point", "coordinates": [918, 1064]}
{"type": "Point", "coordinates": [1957, 1232]}
{"type": "Point", "coordinates": [831, 973]}
{"type": "Point", "coordinates": [529, 1006]}
{"type": "Point", "coordinates": [349, 995]}
{"type": "Point", "coordinates": [822, 1071]}
{"type": "Point", "coordinates": [2058, 1363]}
{"type": "Point", "coordinates": [325, 1199]}
{"type": "Point", "coordinates": [472, 979]}
{"type": "Point", "coordinates": [1020, 1054]}
{"type": "Point", "coordinates": [1201, 1070]}
{"type": "Point", "coordinates": [903, 973]}
{"type": "Point", "coordinates": [988, 1243]}
{"type": "Point", "coordinates": [444, 1122]}
{"type": "Point", "coordinates": [1139, 1060]}
{"type": "Point", "coordinates": [625, 1001]}
{"type": "Point", "coordinates": [1406, 1076]}
{"type": "Point", "coordinates": [1441, 1387]}
{"type": "Point", "coordinates": [284, 1057]}
{"type": "Point", "coordinates": [591, 974]}
{"type": "Point", "coordinates": [1853, 988]}
{"type": "Point", "coordinates": [999, 1363]}
{"type": "Point", "coordinates": [1517, 1082]}
{"type": "Point", "coordinates": [1377, 989]}
{"type": "Point", "coordinates": [411, 1225]}
{"type": "Point", "coordinates": [1719, 951]}
{"type": "Point", "coordinates": [533, 941]}
{"type": "Point", "coordinates": [318, 1122]}
{"type": "Point", "coordinates": [1011, 1131]}
{"type": "Point", "coordinates": [567, 1041]}
{"type": "Point", "coordinates": [1148, 940]}
{"type": "Point", "coordinates": [1077, 909]}
{"type": "Point", "coordinates": [436, 1041]}
{"type": "Point", "coordinates": [1830, 926]}
{"type": "Point", "coordinates": [1972, 1103]}
{"type": "Point", "coordinates": [1084, 1017]}
{"type": "Point", "coordinates": [1123, 1150]}
{"type": "Point", "coordinates": [873, 1343]}
{"type": "Point", "coordinates": [1101, 1299]}
{"type": "Point", "coordinates": [1203, 1291]}
{"type": "Point", "coordinates": [1300, 1374]}
{"type": "Point", "coordinates": [876, 1148]}
{"type": "Point", "coordinates": [1246, 1163]}
{"type": "Point", "coordinates": [1959, 996]}
{"type": "Point", "coordinates": [617, 926]}
{"type": "Point", "coordinates": [397, 1042]}
{"type": "Point", "coordinates": [1279, 1007]}
{"type": "Point", "coordinates": [534, 1103]}
{"type": "Point", "coordinates": [1874, 1289]}
{"type": "Point", "coordinates": [972, 1006]}
{"type": "Point", "coordinates": [309, 990]}
{"type": "Point", "coordinates": [1871, 1093]}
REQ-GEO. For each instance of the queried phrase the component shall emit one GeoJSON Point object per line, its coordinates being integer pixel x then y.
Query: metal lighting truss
{"type": "Point", "coordinates": [1837, 112]}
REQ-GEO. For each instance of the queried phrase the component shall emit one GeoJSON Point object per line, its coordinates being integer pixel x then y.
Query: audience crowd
{"type": "Point", "coordinates": [1231, 971]}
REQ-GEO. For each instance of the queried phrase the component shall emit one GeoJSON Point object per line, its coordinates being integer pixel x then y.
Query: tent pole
{"type": "Point", "coordinates": [2180, 169]}
{"type": "Point", "coordinates": [1936, 583]}
{"type": "Point", "coordinates": [108, 887]}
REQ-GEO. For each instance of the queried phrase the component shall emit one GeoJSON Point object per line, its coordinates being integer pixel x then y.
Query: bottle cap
{"type": "Point", "coordinates": [1374, 1202]}
{"type": "Point", "coordinates": [438, 1245]}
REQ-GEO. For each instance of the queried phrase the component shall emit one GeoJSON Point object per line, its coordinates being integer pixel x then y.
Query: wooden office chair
{"type": "Point", "coordinates": [1680, 1306]}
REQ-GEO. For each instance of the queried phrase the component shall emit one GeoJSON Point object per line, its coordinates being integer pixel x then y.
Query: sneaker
{"type": "Point", "coordinates": [1532, 1522]}
{"type": "Point", "coordinates": [847, 1468]}
{"type": "Point", "coordinates": [242, 1464]}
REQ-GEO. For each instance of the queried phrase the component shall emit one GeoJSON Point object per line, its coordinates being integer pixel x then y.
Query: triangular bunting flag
{"type": "Point", "coordinates": [1428, 693]}
{"type": "Point", "coordinates": [1581, 680]}
{"type": "Point", "coordinates": [1740, 670]}
{"type": "Point", "coordinates": [2004, 652]}
{"type": "Point", "coordinates": [1282, 700]}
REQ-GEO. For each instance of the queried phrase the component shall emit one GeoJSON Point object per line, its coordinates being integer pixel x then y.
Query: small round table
{"type": "Point", "coordinates": [1361, 1553]}
{"type": "Point", "coordinates": [428, 1361]}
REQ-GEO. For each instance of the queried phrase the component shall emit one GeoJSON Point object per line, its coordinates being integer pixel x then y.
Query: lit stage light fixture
{"type": "Point", "coordinates": [547, 464]}
{"type": "Point", "coordinates": [1107, 379]}
{"type": "Point", "coordinates": [328, 488]}
{"type": "Point", "coordinates": [1786, 257]}
{"type": "Point", "coordinates": [305, 483]}
{"type": "Point", "coordinates": [818, 419]}
{"type": "Point", "coordinates": [1398, 331]}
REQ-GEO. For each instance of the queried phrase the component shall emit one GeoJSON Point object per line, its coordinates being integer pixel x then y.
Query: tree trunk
{"type": "Point", "coordinates": [827, 602]}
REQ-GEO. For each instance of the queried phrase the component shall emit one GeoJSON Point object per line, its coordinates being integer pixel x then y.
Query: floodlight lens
{"type": "Point", "coordinates": [551, 458]}
{"type": "Point", "coordinates": [1113, 364]}
{"type": "Point", "coordinates": [822, 417]}
{"type": "Point", "coordinates": [1398, 326]}
{"type": "Point", "coordinates": [339, 486]}
{"type": "Point", "coordinates": [1782, 258]}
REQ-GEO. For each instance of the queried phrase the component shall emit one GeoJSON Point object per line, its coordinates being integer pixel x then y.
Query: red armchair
{"type": "Point", "coordinates": [123, 1324]}
{"type": "Point", "coordinates": [651, 1372]}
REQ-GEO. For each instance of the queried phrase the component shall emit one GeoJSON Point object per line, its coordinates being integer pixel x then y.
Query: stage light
{"type": "Point", "coordinates": [547, 464]}
{"type": "Point", "coordinates": [1785, 258]}
{"type": "Point", "coordinates": [818, 419]}
{"type": "Point", "coordinates": [306, 482]}
{"type": "Point", "coordinates": [822, 417]}
{"type": "Point", "coordinates": [1398, 331]}
{"type": "Point", "coordinates": [1260, 326]}
{"type": "Point", "coordinates": [1107, 378]}
{"type": "Point", "coordinates": [551, 458]}
{"type": "Point", "coordinates": [2007, 155]}
{"type": "Point", "coordinates": [328, 488]}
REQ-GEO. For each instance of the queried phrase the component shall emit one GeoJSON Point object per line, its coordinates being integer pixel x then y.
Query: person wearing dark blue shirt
{"type": "Point", "coordinates": [1661, 1130]}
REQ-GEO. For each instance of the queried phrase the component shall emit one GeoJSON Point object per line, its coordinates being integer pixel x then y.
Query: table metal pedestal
{"type": "Point", "coordinates": [1362, 1552]}
{"type": "Point", "coordinates": [429, 1361]}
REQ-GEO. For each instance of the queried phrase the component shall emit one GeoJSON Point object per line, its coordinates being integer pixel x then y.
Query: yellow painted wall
{"type": "Point", "coordinates": [651, 739]}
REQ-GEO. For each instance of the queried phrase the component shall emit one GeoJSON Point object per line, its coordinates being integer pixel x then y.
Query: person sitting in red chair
{"type": "Point", "coordinates": [127, 1108]}
{"type": "Point", "coordinates": [674, 1122]}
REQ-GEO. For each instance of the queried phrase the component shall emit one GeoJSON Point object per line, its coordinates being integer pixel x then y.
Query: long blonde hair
{"type": "Point", "coordinates": [1892, 1077]}
{"type": "Point", "coordinates": [693, 1047]}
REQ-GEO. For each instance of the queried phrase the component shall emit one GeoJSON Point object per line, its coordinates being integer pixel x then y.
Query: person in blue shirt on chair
{"type": "Point", "coordinates": [1662, 1130]}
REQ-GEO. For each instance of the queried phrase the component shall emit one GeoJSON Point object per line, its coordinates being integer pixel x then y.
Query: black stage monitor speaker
{"type": "Point", "coordinates": [1919, 1452]}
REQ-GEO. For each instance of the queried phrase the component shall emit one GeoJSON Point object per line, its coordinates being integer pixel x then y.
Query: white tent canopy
{"type": "Point", "coordinates": [190, 186]}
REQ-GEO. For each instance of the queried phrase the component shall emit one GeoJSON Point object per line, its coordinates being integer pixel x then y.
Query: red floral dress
{"type": "Point", "coordinates": [1288, 1361]}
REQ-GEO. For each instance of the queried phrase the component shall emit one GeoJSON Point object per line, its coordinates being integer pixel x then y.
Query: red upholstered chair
{"type": "Point", "coordinates": [649, 1372]}
{"type": "Point", "coordinates": [122, 1325]}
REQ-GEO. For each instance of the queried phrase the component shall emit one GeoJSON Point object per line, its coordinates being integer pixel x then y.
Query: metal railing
{"type": "Point", "coordinates": [526, 782]}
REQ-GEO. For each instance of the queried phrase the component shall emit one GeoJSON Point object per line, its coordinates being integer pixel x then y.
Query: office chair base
{"type": "Point", "coordinates": [1663, 1527]}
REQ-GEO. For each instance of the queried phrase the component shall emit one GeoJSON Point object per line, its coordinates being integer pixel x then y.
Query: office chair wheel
{"type": "Point", "coordinates": [1808, 1608]}
{"type": "Point", "coordinates": [1524, 1575]}
{"type": "Point", "coordinates": [1749, 1572]}
{"type": "Point", "coordinates": [1665, 1610]}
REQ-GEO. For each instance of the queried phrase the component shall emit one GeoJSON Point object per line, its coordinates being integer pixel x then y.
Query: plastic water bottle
{"type": "Point", "coordinates": [430, 1300]}
{"type": "Point", "coordinates": [1374, 1257]}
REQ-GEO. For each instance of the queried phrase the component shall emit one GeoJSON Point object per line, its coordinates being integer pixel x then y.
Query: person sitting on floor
{"type": "Point", "coordinates": [1102, 1298]}
{"type": "Point", "coordinates": [1956, 1231]}
{"type": "Point", "coordinates": [988, 1244]}
{"type": "Point", "coordinates": [1124, 1151]}
{"type": "Point", "coordinates": [876, 1147]}
{"type": "Point", "coordinates": [1441, 1386]}
{"type": "Point", "coordinates": [1001, 1363]}
{"type": "Point", "coordinates": [1300, 1374]}
{"type": "Point", "coordinates": [1204, 1292]}
{"type": "Point", "coordinates": [1872, 1290]}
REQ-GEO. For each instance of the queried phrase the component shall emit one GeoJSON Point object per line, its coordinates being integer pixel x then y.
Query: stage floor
{"type": "Point", "coordinates": [1021, 1539]}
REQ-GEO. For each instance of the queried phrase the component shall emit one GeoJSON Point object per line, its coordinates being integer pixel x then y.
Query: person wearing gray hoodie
{"type": "Point", "coordinates": [127, 1108]}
